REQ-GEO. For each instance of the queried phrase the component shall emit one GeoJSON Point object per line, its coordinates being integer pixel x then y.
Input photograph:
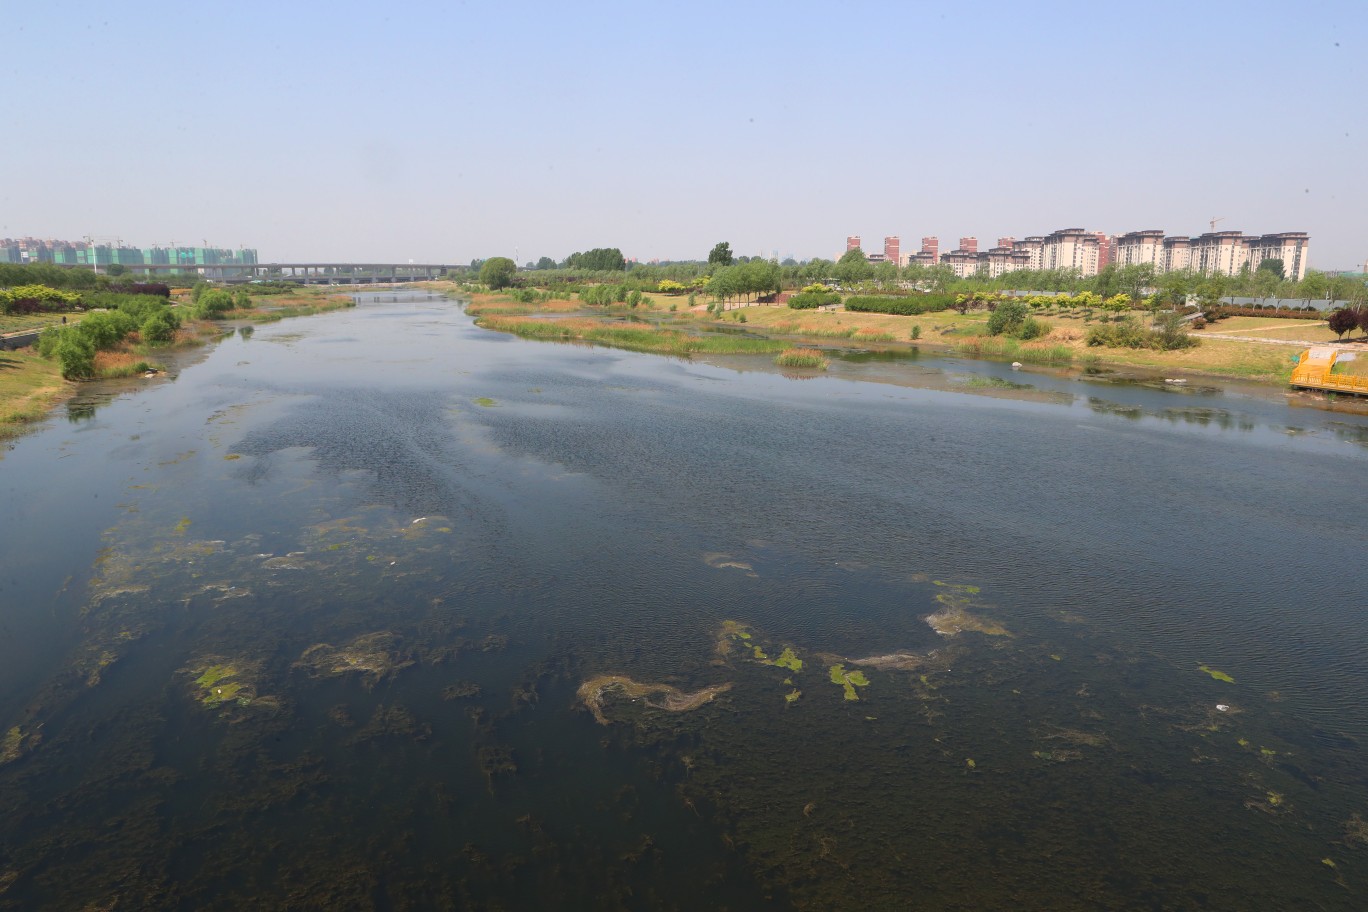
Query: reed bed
{"type": "Point", "coordinates": [802, 357]}
{"type": "Point", "coordinates": [999, 347]}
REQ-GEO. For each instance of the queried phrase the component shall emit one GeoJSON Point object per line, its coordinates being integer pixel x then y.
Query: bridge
{"type": "Point", "coordinates": [306, 273]}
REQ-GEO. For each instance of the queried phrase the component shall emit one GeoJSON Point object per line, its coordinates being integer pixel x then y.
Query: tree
{"type": "Point", "coordinates": [1363, 319]}
{"type": "Point", "coordinates": [116, 269]}
{"type": "Point", "coordinates": [852, 267]}
{"type": "Point", "coordinates": [1007, 318]}
{"type": "Point", "coordinates": [600, 259]}
{"type": "Point", "coordinates": [1273, 265]}
{"type": "Point", "coordinates": [1315, 285]}
{"type": "Point", "coordinates": [721, 255]}
{"type": "Point", "coordinates": [498, 272]}
{"type": "Point", "coordinates": [546, 263]}
{"type": "Point", "coordinates": [1345, 320]}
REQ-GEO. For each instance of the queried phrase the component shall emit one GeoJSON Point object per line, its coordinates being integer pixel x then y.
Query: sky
{"type": "Point", "coordinates": [440, 132]}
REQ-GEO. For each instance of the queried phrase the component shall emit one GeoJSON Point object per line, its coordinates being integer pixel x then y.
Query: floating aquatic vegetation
{"type": "Point", "coordinates": [485, 402]}
{"type": "Point", "coordinates": [729, 633]}
{"type": "Point", "coordinates": [460, 691]}
{"type": "Point", "coordinates": [592, 692]}
{"type": "Point", "coordinates": [219, 682]}
{"type": "Point", "coordinates": [787, 659]}
{"type": "Point", "coordinates": [848, 680]}
{"type": "Point", "coordinates": [16, 743]}
{"type": "Point", "coordinates": [373, 656]}
{"type": "Point", "coordinates": [1217, 675]}
{"type": "Point", "coordinates": [954, 616]}
{"type": "Point", "coordinates": [793, 695]}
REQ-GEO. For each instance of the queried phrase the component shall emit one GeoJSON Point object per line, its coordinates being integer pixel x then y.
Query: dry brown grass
{"type": "Point", "coordinates": [29, 386]}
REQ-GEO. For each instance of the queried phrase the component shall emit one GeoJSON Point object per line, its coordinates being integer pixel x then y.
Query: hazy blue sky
{"type": "Point", "coordinates": [444, 131]}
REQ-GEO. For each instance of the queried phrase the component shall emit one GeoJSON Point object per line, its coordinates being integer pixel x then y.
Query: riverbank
{"type": "Point", "coordinates": [32, 386]}
{"type": "Point", "coordinates": [1247, 349]}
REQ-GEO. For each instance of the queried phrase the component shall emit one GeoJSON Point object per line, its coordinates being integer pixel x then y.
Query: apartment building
{"type": "Point", "coordinates": [892, 250]}
{"type": "Point", "coordinates": [1070, 248]}
{"type": "Point", "coordinates": [963, 263]}
{"type": "Point", "coordinates": [1140, 248]}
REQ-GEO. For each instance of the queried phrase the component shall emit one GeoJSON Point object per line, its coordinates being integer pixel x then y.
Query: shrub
{"type": "Point", "coordinates": [1007, 318]}
{"type": "Point", "coordinates": [810, 300]}
{"type": "Point", "coordinates": [916, 331]}
{"type": "Point", "coordinates": [242, 300]}
{"type": "Point", "coordinates": [903, 305]}
{"type": "Point", "coordinates": [1030, 328]}
{"type": "Point", "coordinates": [159, 327]}
{"type": "Point", "coordinates": [213, 304]}
{"type": "Point", "coordinates": [633, 298]}
{"type": "Point", "coordinates": [157, 289]}
{"type": "Point", "coordinates": [77, 355]}
{"type": "Point", "coordinates": [107, 329]}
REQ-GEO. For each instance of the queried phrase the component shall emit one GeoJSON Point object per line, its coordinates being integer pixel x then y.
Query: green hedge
{"type": "Point", "coordinates": [904, 305]}
{"type": "Point", "coordinates": [810, 300]}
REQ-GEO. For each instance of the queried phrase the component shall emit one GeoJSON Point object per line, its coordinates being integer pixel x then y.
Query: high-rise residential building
{"type": "Point", "coordinates": [963, 263]}
{"type": "Point", "coordinates": [1289, 246]}
{"type": "Point", "coordinates": [1221, 252]}
{"type": "Point", "coordinates": [931, 245]}
{"type": "Point", "coordinates": [1070, 248]}
{"type": "Point", "coordinates": [969, 244]}
{"type": "Point", "coordinates": [1177, 253]}
{"type": "Point", "coordinates": [1034, 248]}
{"type": "Point", "coordinates": [892, 250]}
{"type": "Point", "coordinates": [1106, 250]}
{"type": "Point", "coordinates": [1003, 258]}
{"type": "Point", "coordinates": [1139, 248]}
{"type": "Point", "coordinates": [853, 242]}
{"type": "Point", "coordinates": [1006, 242]}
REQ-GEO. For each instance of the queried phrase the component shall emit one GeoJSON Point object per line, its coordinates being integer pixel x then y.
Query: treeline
{"type": "Point", "coordinates": [854, 274]}
{"type": "Point", "coordinates": [80, 279]}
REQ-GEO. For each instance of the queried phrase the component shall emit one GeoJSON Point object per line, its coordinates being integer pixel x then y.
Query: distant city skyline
{"type": "Point", "coordinates": [443, 133]}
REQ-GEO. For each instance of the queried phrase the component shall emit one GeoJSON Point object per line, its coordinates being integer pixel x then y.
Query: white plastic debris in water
{"type": "Point", "coordinates": [417, 521]}
{"type": "Point", "coordinates": [1016, 365]}
{"type": "Point", "coordinates": [1222, 707]}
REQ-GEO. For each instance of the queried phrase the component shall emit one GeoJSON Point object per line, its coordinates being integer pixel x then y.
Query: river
{"type": "Point", "coordinates": [329, 619]}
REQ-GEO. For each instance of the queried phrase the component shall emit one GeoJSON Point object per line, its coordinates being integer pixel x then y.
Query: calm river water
{"type": "Point", "coordinates": [331, 619]}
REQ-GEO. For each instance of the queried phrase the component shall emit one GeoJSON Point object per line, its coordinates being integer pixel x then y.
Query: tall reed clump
{"type": "Point", "coordinates": [999, 347]}
{"type": "Point", "coordinates": [801, 357]}
{"type": "Point", "coordinates": [634, 337]}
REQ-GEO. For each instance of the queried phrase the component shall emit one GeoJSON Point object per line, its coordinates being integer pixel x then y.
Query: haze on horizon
{"type": "Point", "coordinates": [441, 133]}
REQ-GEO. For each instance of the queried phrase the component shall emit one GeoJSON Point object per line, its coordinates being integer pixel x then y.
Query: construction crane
{"type": "Point", "coordinates": [1215, 219]}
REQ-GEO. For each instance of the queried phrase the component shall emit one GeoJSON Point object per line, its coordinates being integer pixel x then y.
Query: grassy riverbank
{"type": "Point", "coordinates": [29, 387]}
{"type": "Point", "coordinates": [639, 337]}
{"type": "Point", "coordinates": [1245, 348]}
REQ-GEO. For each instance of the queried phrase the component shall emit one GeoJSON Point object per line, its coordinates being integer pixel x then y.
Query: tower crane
{"type": "Point", "coordinates": [1215, 219]}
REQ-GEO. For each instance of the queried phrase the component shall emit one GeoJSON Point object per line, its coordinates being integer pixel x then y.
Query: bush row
{"type": "Point", "coordinates": [810, 300]}
{"type": "Point", "coordinates": [907, 305]}
{"type": "Point", "coordinates": [1290, 313]}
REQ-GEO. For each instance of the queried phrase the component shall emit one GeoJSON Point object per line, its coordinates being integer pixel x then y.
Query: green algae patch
{"type": "Point", "coordinates": [792, 696]}
{"type": "Point", "coordinates": [788, 659]}
{"type": "Point", "coordinates": [182, 525]}
{"type": "Point", "coordinates": [593, 691]}
{"type": "Point", "coordinates": [485, 402]}
{"type": "Point", "coordinates": [1216, 675]}
{"type": "Point", "coordinates": [218, 683]}
{"type": "Point", "coordinates": [231, 456]}
{"type": "Point", "coordinates": [848, 680]}
{"type": "Point", "coordinates": [761, 655]}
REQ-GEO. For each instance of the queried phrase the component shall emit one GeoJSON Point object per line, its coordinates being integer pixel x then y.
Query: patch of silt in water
{"type": "Point", "coordinates": [667, 697]}
{"type": "Point", "coordinates": [954, 616]}
{"type": "Point", "coordinates": [882, 803]}
{"type": "Point", "coordinates": [372, 657]}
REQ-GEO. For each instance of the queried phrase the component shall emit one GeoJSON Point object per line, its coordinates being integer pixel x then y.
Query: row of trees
{"type": "Point", "coordinates": [75, 345]}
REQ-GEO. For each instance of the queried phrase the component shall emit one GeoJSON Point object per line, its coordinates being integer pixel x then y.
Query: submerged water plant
{"type": "Point", "coordinates": [848, 680]}
{"type": "Point", "coordinates": [1216, 675]}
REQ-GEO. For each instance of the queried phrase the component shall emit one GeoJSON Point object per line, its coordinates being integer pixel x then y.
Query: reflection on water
{"type": "Point", "coordinates": [403, 614]}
